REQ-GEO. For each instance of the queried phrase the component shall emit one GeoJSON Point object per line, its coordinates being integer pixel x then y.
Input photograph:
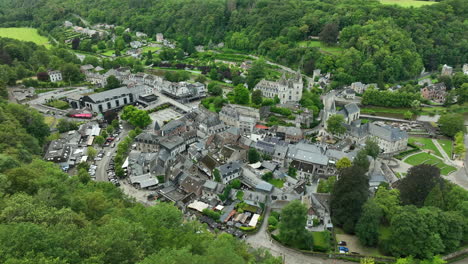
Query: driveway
{"type": "Point", "coordinates": [262, 240]}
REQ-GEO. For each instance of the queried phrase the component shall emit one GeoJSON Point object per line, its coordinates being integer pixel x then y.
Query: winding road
{"type": "Point", "coordinates": [262, 240]}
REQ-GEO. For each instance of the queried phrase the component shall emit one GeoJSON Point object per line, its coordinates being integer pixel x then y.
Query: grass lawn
{"type": "Point", "coordinates": [108, 53]}
{"type": "Point", "coordinates": [406, 3]}
{"type": "Point", "coordinates": [277, 183]}
{"type": "Point", "coordinates": [321, 239]}
{"type": "Point", "coordinates": [24, 34]}
{"type": "Point", "coordinates": [152, 49]}
{"type": "Point", "coordinates": [317, 44]}
{"type": "Point", "coordinates": [425, 158]}
{"type": "Point", "coordinates": [447, 146]}
{"type": "Point", "coordinates": [425, 143]}
{"type": "Point", "coordinates": [49, 120]}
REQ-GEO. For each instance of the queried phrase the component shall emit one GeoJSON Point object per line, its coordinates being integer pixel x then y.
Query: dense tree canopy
{"type": "Point", "coordinates": [385, 43]}
{"type": "Point", "coordinates": [348, 196]}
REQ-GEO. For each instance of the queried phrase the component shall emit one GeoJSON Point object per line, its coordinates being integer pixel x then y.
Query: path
{"type": "Point", "coordinates": [385, 118]}
{"type": "Point", "coordinates": [262, 240]}
{"type": "Point", "coordinates": [447, 159]}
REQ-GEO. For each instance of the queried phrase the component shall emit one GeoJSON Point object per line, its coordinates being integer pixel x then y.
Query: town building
{"type": "Point", "coordinates": [230, 171]}
{"type": "Point", "coordinates": [211, 190]}
{"type": "Point", "coordinates": [147, 142]}
{"type": "Point", "coordinates": [104, 101]}
{"type": "Point", "coordinates": [55, 76]}
{"type": "Point", "coordinates": [435, 92]}
{"type": "Point", "coordinates": [184, 90]}
{"type": "Point", "coordinates": [242, 117]}
{"type": "Point", "coordinates": [360, 88]}
{"type": "Point", "coordinates": [390, 139]}
{"type": "Point", "coordinates": [288, 90]}
{"type": "Point", "coordinates": [309, 160]}
{"type": "Point", "coordinates": [465, 69]}
{"type": "Point", "coordinates": [350, 112]}
{"type": "Point", "coordinates": [446, 70]}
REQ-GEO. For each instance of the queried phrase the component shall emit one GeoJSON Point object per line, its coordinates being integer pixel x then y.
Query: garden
{"type": "Point", "coordinates": [426, 158]}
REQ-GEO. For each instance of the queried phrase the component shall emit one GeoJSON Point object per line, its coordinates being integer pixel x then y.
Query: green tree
{"type": "Point", "coordinates": [451, 124]}
{"type": "Point", "coordinates": [136, 117]}
{"type": "Point", "coordinates": [361, 160]}
{"type": "Point", "coordinates": [343, 163]}
{"type": "Point", "coordinates": [372, 148]}
{"type": "Point", "coordinates": [83, 176]}
{"type": "Point", "coordinates": [253, 156]}
{"type": "Point", "coordinates": [112, 83]}
{"type": "Point", "coordinates": [389, 201]}
{"type": "Point", "coordinates": [71, 73]}
{"type": "Point", "coordinates": [91, 152]}
{"type": "Point", "coordinates": [408, 115]}
{"type": "Point", "coordinates": [257, 97]}
{"type": "Point", "coordinates": [417, 184]}
{"type": "Point", "coordinates": [292, 225]}
{"type": "Point", "coordinates": [256, 73]}
{"type": "Point", "coordinates": [367, 228]}
{"type": "Point", "coordinates": [292, 172]}
{"type": "Point", "coordinates": [99, 140]}
{"type": "Point", "coordinates": [335, 125]}
{"type": "Point", "coordinates": [241, 95]}
{"type": "Point", "coordinates": [329, 34]}
{"type": "Point", "coordinates": [214, 89]}
{"type": "Point", "coordinates": [348, 196]}
{"type": "Point", "coordinates": [201, 78]}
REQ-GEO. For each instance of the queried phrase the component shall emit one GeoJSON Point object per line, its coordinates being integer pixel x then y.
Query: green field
{"type": "Point", "coordinates": [406, 3]}
{"type": "Point", "coordinates": [425, 143]}
{"type": "Point", "coordinates": [24, 34]}
{"type": "Point", "coordinates": [321, 240]}
{"type": "Point", "coordinates": [321, 46]}
{"type": "Point", "coordinates": [425, 158]}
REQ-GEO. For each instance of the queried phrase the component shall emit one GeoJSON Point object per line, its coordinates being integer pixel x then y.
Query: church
{"type": "Point", "coordinates": [288, 90]}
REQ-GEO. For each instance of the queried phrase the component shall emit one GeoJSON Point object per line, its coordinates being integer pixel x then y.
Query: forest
{"type": "Point", "coordinates": [48, 217]}
{"type": "Point", "coordinates": [381, 43]}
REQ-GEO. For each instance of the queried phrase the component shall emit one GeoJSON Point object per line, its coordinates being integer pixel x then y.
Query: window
{"type": "Point", "coordinates": [109, 105]}
{"type": "Point", "coordinates": [117, 103]}
{"type": "Point", "coordinates": [125, 100]}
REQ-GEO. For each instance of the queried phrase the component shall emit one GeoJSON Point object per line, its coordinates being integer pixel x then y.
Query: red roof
{"type": "Point", "coordinates": [261, 126]}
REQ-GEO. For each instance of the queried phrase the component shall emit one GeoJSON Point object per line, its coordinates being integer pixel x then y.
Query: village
{"type": "Point", "coordinates": [232, 169]}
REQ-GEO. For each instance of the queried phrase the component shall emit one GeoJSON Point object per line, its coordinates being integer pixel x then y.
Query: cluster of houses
{"type": "Point", "coordinates": [137, 88]}
{"type": "Point", "coordinates": [71, 148]}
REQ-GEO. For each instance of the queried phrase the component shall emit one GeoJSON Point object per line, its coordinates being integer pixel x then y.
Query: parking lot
{"type": "Point", "coordinates": [164, 115]}
{"type": "Point", "coordinates": [353, 244]}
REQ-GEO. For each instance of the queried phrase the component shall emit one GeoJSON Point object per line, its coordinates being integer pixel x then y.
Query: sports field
{"type": "Point", "coordinates": [24, 34]}
{"type": "Point", "coordinates": [407, 3]}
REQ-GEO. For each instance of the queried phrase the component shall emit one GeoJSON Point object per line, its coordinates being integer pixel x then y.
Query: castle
{"type": "Point", "coordinates": [288, 90]}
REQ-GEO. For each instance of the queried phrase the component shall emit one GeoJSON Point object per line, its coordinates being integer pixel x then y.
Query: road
{"type": "Point", "coordinates": [101, 172]}
{"type": "Point", "coordinates": [262, 240]}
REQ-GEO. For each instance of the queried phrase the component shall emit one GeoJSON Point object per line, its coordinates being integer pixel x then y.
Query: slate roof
{"type": "Point", "coordinates": [102, 96]}
{"type": "Point", "coordinates": [171, 143]}
{"type": "Point", "coordinates": [351, 108]}
{"type": "Point", "coordinates": [387, 133]}
{"type": "Point", "coordinates": [307, 153]}
{"type": "Point", "coordinates": [229, 168]}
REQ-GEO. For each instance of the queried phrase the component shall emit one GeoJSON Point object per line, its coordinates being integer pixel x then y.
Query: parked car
{"type": "Point", "coordinates": [342, 243]}
{"type": "Point", "coordinates": [345, 249]}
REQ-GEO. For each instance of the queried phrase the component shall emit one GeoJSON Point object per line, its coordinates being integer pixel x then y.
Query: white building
{"type": "Point", "coordinates": [230, 171]}
{"type": "Point", "coordinates": [287, 90]}
{"type": "Point", "coordinates": [184, 90]}
{"type": "Point", "coordinates": [446, 70]}
{"type": "Point", "coordinates": [390, 139]}
{"type": "Point", "coordinates": [55, 76]}
{"type": "Point", "coordinates": [107, 100]}
{"type": "Point", "coordinates": [242, 117]}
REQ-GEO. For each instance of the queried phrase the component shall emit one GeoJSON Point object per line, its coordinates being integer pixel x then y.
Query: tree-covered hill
{"type": "Point", "coordinates": [389, 43]}
{"type": "Point", "coordinates": [48, 217]}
